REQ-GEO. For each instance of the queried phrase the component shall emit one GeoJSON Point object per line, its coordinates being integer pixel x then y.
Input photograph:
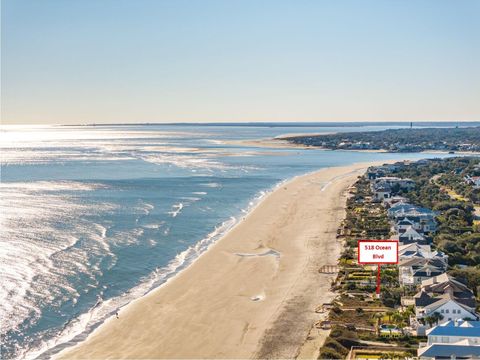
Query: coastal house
{"type": "Point", "coordinates": [420, 219]}
{"type": "Point", "coordinates": [410, 235]}
{"type": "Point", "coordinates": [454, 331]}
{"type": "Point", "coordinates": [389, 202]}
{"type": "Point", "coordinates": [452, 339]}
{"type": "Point", "coordinates": [413, 249]}
{"type": "Point", "coordinates": [403, 209]}
{"type": "Point", "coordinates": [447, 296]}
{"type": "Point", "coordinates": [386, 186]}
{"type": "Point", "coordinates": [417, 250]}
{"type": "Point", "coordinates": [446, 305]}
{"type": "Point", "coordinates": [411, 276]}
{"type": "Point", "coordinates": [473, 180]}
{"type": "Point", "coordinates": [445, 283]}
{"type": "Point", "coordinates": [403, 225]}
{"type": "Point", "coordinates": [461, 350]}
{"type": "Point", "coordinates": [413, 270]}
{"type": "Point", "coordinates": [381, 191]}
{"type": "Point", "coordinates": [375, 172]}
{"type": "Point", "coordinates": [396, 182]}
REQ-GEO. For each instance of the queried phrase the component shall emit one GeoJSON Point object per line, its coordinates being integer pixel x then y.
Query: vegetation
{"type": "Point", "coordinates": [457, 233]}
{"type": "Point", "coordinates": [440, 185]}
{"type": "Point", "coordinates": [398, 140]}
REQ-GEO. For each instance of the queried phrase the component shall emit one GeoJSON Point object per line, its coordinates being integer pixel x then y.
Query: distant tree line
{"type": "Point", "coordinates": [459, 229]}
{"type": "Point", "coordinates": [397, 140]}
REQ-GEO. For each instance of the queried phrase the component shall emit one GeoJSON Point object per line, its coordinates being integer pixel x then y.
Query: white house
{"type": "Point", "coordinates": [381, 192]}
{"type": "Point", "coordinates": [410, 235]}
{"type": "Point", "coordinates": [414, 249]}
{"type": "Point", "coordinates": [448, 307]}
{"type": "Point", "coordinates": [446, 296]}
{"type": "Point", "coordinates": [404, 184]}
{"type": "Point", "coordinates": [403, 225]}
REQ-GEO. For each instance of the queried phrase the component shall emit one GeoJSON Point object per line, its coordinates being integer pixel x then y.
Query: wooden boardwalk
{"type": "Point", "coordinates": [328, 269]}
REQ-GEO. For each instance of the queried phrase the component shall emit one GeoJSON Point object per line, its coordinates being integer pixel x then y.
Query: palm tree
{"type": "Point", "coordinates": [389, 314]}
{"type": "Point", "coordinates": [436, 317]}
{"type": "Point", "coordinates": [397, 317]}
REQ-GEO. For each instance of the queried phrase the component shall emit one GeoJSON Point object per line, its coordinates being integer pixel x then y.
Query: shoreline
{"type": "Point", "coordinates": [281, 142]}
{"type": "Point", "coordinates": [240, 312]}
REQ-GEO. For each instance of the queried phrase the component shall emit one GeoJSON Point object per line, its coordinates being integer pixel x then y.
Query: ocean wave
{"type": "Point", "coordinates": [79, 328]}
{"type": "Point", "coordinates": [49, 186]}
{"type": "Point", "coordinates": [184, 161]}
{"type": "Point", "coordinates": [40, 230]}
{"type": "Point", "coordinates": [176, 209]}
{"type": "Point", "coordinates": [211, 185]}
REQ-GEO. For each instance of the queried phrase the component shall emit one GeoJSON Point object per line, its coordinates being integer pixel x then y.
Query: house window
{"type": "Point", "coordinates": [446, 311]}
{"type": "Point", "coordinates": [442, 311]}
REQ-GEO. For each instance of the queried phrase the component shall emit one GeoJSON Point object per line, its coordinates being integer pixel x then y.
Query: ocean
{"type": "Point", "coordinates": [93, 217]}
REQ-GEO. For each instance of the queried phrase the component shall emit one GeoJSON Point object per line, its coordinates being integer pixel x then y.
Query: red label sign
{"type": "Point", "coordinates": [378, 252]}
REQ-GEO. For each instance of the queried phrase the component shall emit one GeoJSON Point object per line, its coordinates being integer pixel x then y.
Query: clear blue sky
{"type": "Point", "coordinates": [82, 61]}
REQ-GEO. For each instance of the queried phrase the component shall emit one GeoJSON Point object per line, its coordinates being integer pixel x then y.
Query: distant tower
{"type": "Point", "coordinates": [411, 125]}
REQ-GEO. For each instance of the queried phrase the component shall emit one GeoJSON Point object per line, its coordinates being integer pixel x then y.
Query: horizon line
{"type": "Point", "coordinates": [253, 123]}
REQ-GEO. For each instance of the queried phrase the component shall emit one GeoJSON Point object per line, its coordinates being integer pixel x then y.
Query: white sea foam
{"type": "Point", "coordinates": [176, 209]}
{"type": "Point", "coordinates": [79, 328]}
{"type": "Point", "coordinates": [192, 161]}
{"type": "Point", "coordinates": [48, 186]}
{"type": "Point", "coordinates": [211, 185]}
{"type": "Point", "coordinates": [33, 250]}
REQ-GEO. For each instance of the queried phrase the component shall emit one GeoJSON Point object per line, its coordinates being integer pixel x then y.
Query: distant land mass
{"type": "Point", "coordinates": [396, 140]}
{"type": "Point", "coordinates": [298, 124]}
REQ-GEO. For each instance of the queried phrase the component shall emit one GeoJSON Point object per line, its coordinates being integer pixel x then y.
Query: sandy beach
{"type": "Point", "coordinates": [252, 294]}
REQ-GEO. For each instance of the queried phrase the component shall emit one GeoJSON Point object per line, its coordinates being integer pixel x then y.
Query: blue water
{"type": "Point", "coordinates": [94, 217]}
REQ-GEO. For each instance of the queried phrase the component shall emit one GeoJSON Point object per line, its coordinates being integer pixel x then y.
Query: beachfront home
{"type": "Point", "coordinates": [447, 296]}
{"type": "Point", "coordinates": [403, 209]}
{"type": "Point", "coordinates": [402, 225]}
{"type": "Point", "coordinates": [445, 283]}
{"type": "Point", "coordinates": [389, 202]}
{"type": "Point", "coordinates": [396, 182]}
{"type": "Point", "coordinates": [410, 235]}
{"type": "Point", "coordinates": [458, 351]}
{"type": "Point", "coordinates": [454, 331]}
{"type": "Point", "coordinates": [421, 220]}
{"type": "Point", "coordinates": [446, 306]}
{"type": "Point", "coordinates": [386, 186]}
{"type": "Point", "coordinates": [399, 208]}
{"type": "Point", "coordinates": [375, 172]}
{"type": "Point", "coordinates": [414, 275]}
{"type": "Point", "coordinates": [416, 250]}
{"type": "Point", "coordinates": [381, 191]}
{"type": "Point", "coordinates": [414, 269]}
{"type": "Point", "coordinates": [453, 339]}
